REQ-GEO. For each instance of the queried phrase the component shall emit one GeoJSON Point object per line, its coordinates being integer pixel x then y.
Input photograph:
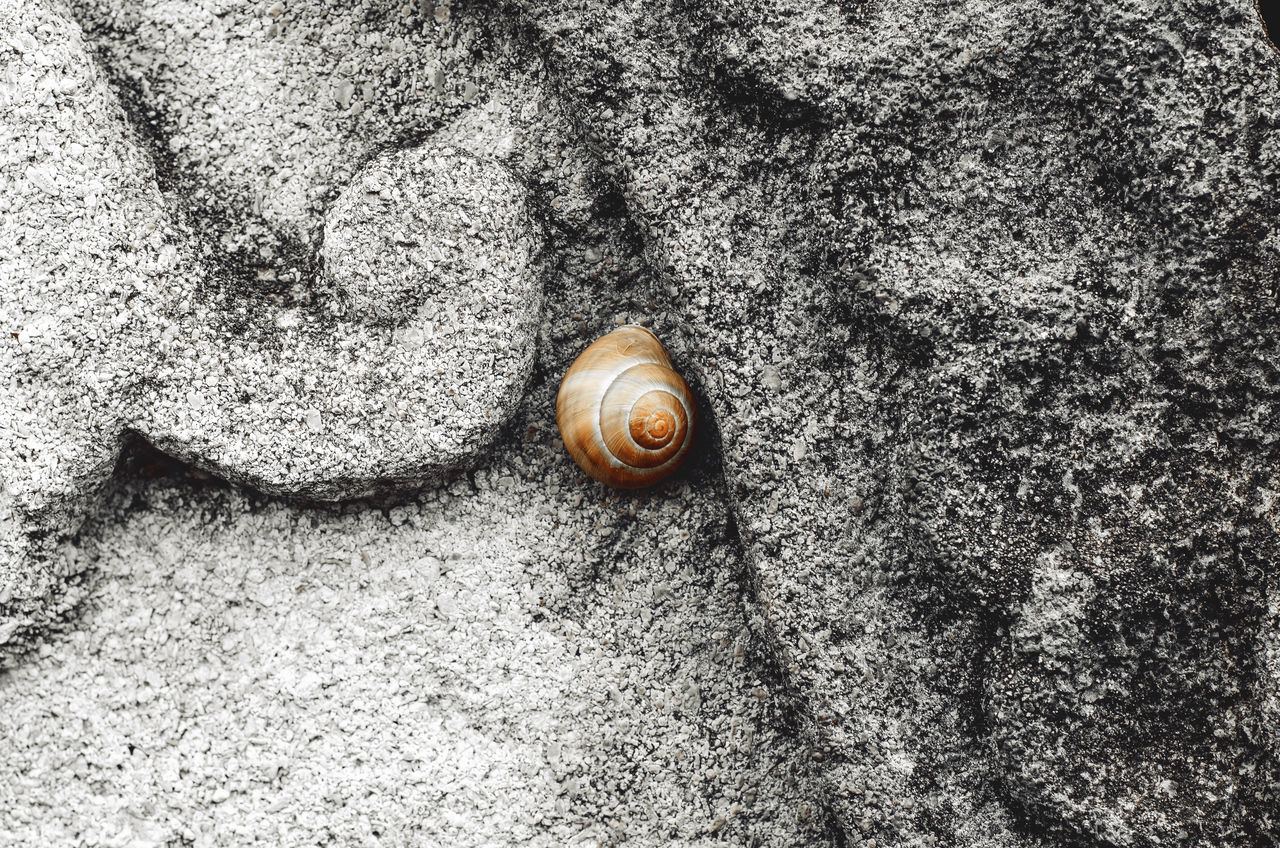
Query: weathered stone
{"type": "Point", "coordinates": [981, 298]}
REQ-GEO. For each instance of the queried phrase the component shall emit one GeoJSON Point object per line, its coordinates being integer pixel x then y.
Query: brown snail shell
{"type": "Point", "coordinates": [626, 417]}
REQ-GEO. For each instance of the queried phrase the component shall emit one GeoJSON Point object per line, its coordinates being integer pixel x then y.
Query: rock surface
{"type": "Point", "coordinates": [462, 670]}
{"type": "Point", "coordinates": [981, 299]}
{"type": "Point", "coordinates": [399, 366]}
{"type": "Point", "coordinates": [393, 370]}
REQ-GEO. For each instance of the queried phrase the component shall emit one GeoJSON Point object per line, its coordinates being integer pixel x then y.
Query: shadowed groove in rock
{"type": "Point", "coordinates": [1269, 11]}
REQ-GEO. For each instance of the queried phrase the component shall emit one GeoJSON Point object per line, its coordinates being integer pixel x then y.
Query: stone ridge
{"type": "Point", "coordinates": [397, 370]}
{"type": "Point", "coordinates": [981, 297]}
{"type": "Point", "coordinates": [413, 353]}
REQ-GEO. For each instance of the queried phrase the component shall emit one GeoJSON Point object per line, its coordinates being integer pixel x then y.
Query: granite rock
{"type": "Point", "coordinates": [395, 368]}
{"type": "Point", "coordinates": [980, 298]}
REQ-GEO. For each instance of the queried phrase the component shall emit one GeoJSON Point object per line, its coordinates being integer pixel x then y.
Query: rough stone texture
{"type": "Point", "coordinates": [462, 670]}
{"type": "Point", "coordinates": [408, 354]}
{"type": "Point", "coordinates": [981, 299]}
{"type": "Point", "coordinates": [395, 368]}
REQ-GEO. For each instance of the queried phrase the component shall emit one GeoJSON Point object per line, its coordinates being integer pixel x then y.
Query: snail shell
{"type": "Point", "coordinates": [625, 415]}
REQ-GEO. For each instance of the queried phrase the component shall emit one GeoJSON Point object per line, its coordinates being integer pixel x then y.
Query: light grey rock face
{"type": "Point", "coordinates": [981, 298]}
{"type": "Point", "coordinates": [82, 230]}
{"type": "Point", "coordinates": [459, 670]}
{"type": "Point", "coordinates": [392, 371]}
{"type": "Point", "coordinates": [258, 114]}
{"type": "Point", "coordinates": [405, 359]}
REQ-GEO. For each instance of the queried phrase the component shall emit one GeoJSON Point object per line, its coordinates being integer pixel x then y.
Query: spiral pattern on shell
{"type": "Point", "coordinates": [626, 417]}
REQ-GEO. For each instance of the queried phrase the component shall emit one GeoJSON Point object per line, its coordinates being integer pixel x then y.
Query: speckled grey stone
{"type": "Point", "coordinates": [393, 369]}
{"type": "Point", "coordinates": [1011, 511]}
{"type": "Point", "coordinates": [981, 298]}
{"type": "Point", "coordinates": [408, 355]}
